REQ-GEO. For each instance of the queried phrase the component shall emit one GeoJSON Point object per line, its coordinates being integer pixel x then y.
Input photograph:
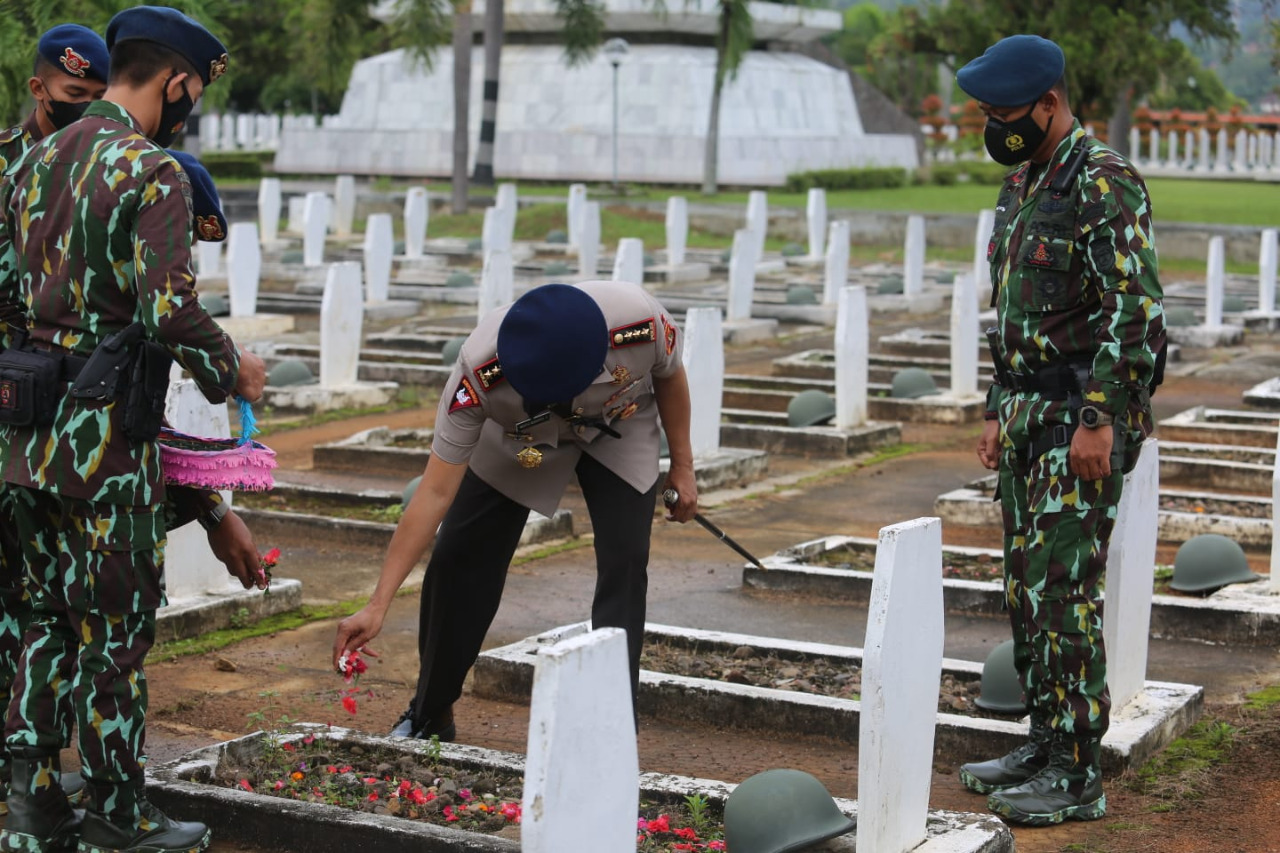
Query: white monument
{"type": "Point", "coordinates": [416, 213]}
{"type": "Point", "coordinates": [628, 263]}
{"type": "Point", "coordinates": [677, 227]}
{"type": "Point", "coordinates": [244, 268]}
{"type": "Point", "coordinates": [742, 274]}
{"type": "Point", "coordinates": [344, 205]}
{"type": "Point", "coordinates": [852, 358]}
{"type": "Point", "coordinates": [964, 337]}
{"type": "Point", "coordinates": [341, 322]}
{"type": "Point", "coordinates": [703, 359]}
{"type": "Point", "coordinates": [497, 282]}
{"type": "Point", "coordinates": [816, 215]}
{"type": "Point", "coordinates": [316, 215]}
{"type": "Point", "coordinates": [981, 242]}
{"type": "Point", "coordinates": [758, 220]}
{"type": "Point", "coordinates": [589, 240]}
{"type": "Point", "coordinates": [379, 246]}
{"type": "Point", "coordinates": [269, 210]}
{"type": "Point", "coordinates": [577, 198]}
{"type": "Point", "coordinates": [913, 258]}
{"type": "Point", "coordinates": [836, 270]}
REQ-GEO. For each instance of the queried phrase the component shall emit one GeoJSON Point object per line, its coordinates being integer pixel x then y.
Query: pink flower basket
{"type": "Point", "coordinates": [215, 463]}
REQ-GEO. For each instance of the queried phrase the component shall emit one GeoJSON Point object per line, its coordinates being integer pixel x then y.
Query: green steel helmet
{"type": "Point", "coordinates": [558, 236]}
{"type": "Point", "coordinates": [1001, 688]}
{"type": "Point", "coordinates": [556, 268]}
{"type": "Point", "coordinates": [290, 372]}
{"type": "Point", "coordinates": [449, 352]}
{"type": "Point", "coordinates": [810, 408]}
{"type": "Point", "coordinates": [890, 284]}
{"type": "Point", "coordinates": [1208, 562]}
{"type": "Point", "coordinates": [799, 294]}
{"type": "Point", "coordinates": [792, 250]}
{"type": "Point", "coordinates": [459, 279]}
{"type": "Point", "coordinates": [475, 244]}
{"type": "Point", "coordinates": [1179, 315]}
{"type": "Point", "coordinates": [1232, 304]}
{"type": "Point", "coordinates": [409, 490]}
{"type": "Point", "coordinates": [779, 811]}
{"type": "Point", "coordinates": [911, 383]}
{"type": "Point", "coordinates": [215, 304]}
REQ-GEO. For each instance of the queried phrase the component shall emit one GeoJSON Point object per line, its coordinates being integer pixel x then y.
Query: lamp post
{"type": "Point", "coordinates": [615, 49]}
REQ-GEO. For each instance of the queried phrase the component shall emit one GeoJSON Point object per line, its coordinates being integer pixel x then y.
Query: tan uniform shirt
{"type": "Point", "coordinates": [476, 421]}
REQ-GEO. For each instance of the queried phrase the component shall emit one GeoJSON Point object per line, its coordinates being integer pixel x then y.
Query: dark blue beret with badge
{"type": "Point", "coordinates": [77, 51]}
{"type": "Point", "coordinates": [208, 223]}
{"type": "Point", "coordinates": [552, 343]}
{"type": "Point", "coordinates": [174, 30]}
{"type": "Point", "coordinates": [1014, 71]}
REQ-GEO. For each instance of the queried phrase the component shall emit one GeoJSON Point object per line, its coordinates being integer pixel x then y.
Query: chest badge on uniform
{"type": "Point", "coordinates": [529, 457]}
{"type": "Point", "coordinates": [1040, 256]}
{"type": "Point", "coordinates": [621, 375]}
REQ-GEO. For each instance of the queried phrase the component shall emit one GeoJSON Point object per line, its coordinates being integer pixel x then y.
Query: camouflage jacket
{"type": "Point", "coordinates": [95, 234]}
{"type": "Point", "coordinates": [14, 145]}
{"type": "Point", "coordinates": [1075, 279]}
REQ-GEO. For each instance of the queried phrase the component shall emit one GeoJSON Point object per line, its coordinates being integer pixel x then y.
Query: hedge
{"type": "Point", "coordinates": [237, 164]}
{"type": "Point", "coordinates": [847, 179]}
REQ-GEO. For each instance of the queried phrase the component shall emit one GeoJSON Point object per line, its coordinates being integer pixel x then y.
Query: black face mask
{"type": "Point", "coordinates": [63, 113]}
{"type": "Point", "coordinates": [1010, 143]}
{"type": "Point", "coordinates": [173, 116]}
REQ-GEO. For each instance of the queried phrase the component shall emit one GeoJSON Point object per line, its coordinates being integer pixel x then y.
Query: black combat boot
{"type": "Point", "coordinates": [155, 832]}
{"type": "Point", "coordinates": [1069, 787]}
{"type": "Point", "coordinates": [985, 777]}
{"type": "Point", "coordinates": [439, 724]}
{"type": "Point", "coordinates": [40, 818]}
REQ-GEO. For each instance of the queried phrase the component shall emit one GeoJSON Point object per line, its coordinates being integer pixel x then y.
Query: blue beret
{"type": "Point", "coordinates": [174, 30]}
{"type": "Point", "coordinates": [552, 343]}
{"type": "Point", "coordinates": [1014, 71]}
{"type": "Point", "coordinates": [209, 224]}
{"type": "Point", "coordinates": [77, 50]}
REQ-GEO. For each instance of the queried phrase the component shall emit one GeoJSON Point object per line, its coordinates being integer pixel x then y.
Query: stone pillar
{"type": "Point", "coordinates": [269, 210]}
{"type": "Point", "coordinates": [228, 128]}
{"type": "Point", "coordinates": [1223, 152]}
{"type": "Point", "coordinates": [210, 137]}
{"type": "Point", "coordinates": [758, 220]}
{"type": "Point", "coordinates": [344, 205]}
{"type": "Point", "coordinates": [677, 230]}
{"type": "Point", "coordinates": [208, 259]}
{"type": "Point", "coordinates": [244, 131]}
{"type": "Point", "coordinates": [1135, 144]}
{"type": "Point", "coordinates": [816, 212]}
{"type": "Point", "coordinates": [628, 263]}
{"type": "Point", "coordinates": [1274, 581]}
{"type": "Point", "coordinates": [1131, 562]}
{"type": "Point", "coordinates": [582, 740]}
{"type": "Point", "coordinates": [913, 258]}
{"type": "Point", "coordinates": [316, 215]}
{"type": "Point", "coordinates": [1174, 162]}
{"type": "Point", "coordinates": [244, 268]}
{"type": "Point", "coordinates": [341, 322]}
{"type": "Point", "coordinates": [981, 243]}
{"type": "Point", "coordinates": [742, 274]}
{"type": "Point", "coordinates": [1215, 283]}
{"type": "Point", "coordinates": [1267, 271]}
{"type": "Point", "coordinates": [577, 198]}
{"type": "Point", "coordinates": [1205, 159]}
{"type": "Point", "coordinates": [589, 240]}
{"type": "Point", "coordinates": [416, 212]}
{"type": "Point", "coordinates": [1153, 140]}
{"type": "Point", "coordinates": [836, 274]}
{"type": "Point", "coordinates": [964, 337]}
{"type": "Point", "coordinates": [852, 348]}
{"type": "Point", "coordinates": [901, 667]}
{"type": "Point", "coordinates": [379, 246]}
{"type": "Point", "coordinates": [1241, 163]}
{"type": "Point", "coordinates": [703, 358]}
{"type": "Point", "coordinates": [1190, 145]}
{"type": "Point", "coordinates": [497, 282]}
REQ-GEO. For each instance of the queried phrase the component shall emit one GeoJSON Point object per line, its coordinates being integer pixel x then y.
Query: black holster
{"type": "Point", "coordinates": [148, 386]}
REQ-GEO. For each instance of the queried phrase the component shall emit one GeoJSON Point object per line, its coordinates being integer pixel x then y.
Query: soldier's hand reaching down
{"type": "Point", "coordinates": [1090, 456]}
{"type": "Point", "coordinates": [252, 377]}
{"type": "Point", "coordinates": [233, 545]}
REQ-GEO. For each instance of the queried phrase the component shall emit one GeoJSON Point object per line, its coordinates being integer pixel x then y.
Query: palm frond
{"type": "Point", "coordinates": [583, 29]}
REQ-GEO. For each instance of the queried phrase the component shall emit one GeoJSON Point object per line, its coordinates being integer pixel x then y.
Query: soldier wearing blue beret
{"type": "Point", "coordinates": [70, 72]}
{"type": "Point", "coordinates": [567, 381]}
{"type": "Point", "coordinates": [1079, 328]}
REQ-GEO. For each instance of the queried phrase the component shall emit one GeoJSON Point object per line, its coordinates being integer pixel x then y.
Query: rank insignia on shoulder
{"type": "Point", "coordinates": [671, 334]}
{"type": "Point", "coordinates": [464, 398]}
{"type": "Point", "coordinates": [620, 375]}
{"type": "Point", "coordinates": [489, 373]}
{"type": "Point", "coordinates": [1040, 256]}
{"type": "Point", "coordinates": [209, 229]}
{"type": "Point", "coordinates": [637, 333]}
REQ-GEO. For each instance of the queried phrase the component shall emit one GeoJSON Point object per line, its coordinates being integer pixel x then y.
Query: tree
{"type": "Point", "coordinates": [734, 36]}
{"type": "Point", "coordinates": [421, 26]}
{"type": "Point", "coordinates": [864, 23]}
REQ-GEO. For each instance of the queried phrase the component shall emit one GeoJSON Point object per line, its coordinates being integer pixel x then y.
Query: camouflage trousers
{"type": "Point", "coordinates": [94, 576]}
{"type": "Point", "coordinates": [1057, 528]}
{"type": "Point", "coordinates": [15, 609]}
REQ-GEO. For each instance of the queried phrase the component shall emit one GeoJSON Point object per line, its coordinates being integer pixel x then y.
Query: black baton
{"type": "Point", "coordinates": [671, 496]}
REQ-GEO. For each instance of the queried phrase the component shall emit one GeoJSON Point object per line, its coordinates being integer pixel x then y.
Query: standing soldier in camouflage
{"type": "Point", "coordinates": [1080, 325]}
{"type": "Point", "coordinates": [95, 236]}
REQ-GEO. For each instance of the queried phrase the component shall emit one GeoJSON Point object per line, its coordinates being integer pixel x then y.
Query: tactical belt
{"type": "Point", "coordinates": [1058, 435]}
{"type": "Point", "coordinates": [1056, 382]}
{"type": "Point", "coordinates": [71, 364]}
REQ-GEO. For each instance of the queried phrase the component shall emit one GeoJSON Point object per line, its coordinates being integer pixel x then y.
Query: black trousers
{"type": "Point", "coordinates": [468, 569]}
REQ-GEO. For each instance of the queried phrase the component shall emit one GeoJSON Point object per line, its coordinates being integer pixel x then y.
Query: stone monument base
{"type": "Point", "coordinates": [257, 327]}
{"type": "Point", "coordinates": [314, 399]}
{"type": "Point", "coordinates": [749, 331]}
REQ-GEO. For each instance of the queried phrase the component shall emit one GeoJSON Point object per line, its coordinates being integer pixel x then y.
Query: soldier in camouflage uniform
{"type": "Point", "coordinates": [1080, 326]}
{"type": "Point", "coordinates": [95, 234]}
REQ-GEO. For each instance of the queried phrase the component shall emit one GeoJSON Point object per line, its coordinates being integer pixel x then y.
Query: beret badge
{"type": "Point", "coordinates": [209, 229]}
{"type": "Point", "coordinates": [73, 62]}
{"type": "Point", "coordinates": [217, 67]}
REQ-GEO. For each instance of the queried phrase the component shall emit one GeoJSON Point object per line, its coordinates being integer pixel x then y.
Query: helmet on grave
{"type": "Point", "coordinates": [911, 383]}
{"type": "Point", "coordinates": [450, 351]}
{"type": "Point", "coordinates": [410, 490]}
{"type": "Point", "coordinates": [1208, 562]}
{"type": "Point", "coordinates": [290, 372]}
{"type": "Point", "coordinates": [810, 408]}
{"type": "Point", "coordinates": [1001, 687]}
{"type": "Point", "coordinates": [1179, 315]}
{"type": "Point", "coordinates": [779, 811]}
{"type": "Point", "coordinates": [800, 294]}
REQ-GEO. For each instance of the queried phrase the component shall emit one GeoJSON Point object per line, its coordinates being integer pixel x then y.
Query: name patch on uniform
{"type": "Point", "coordinates": [489, 373]}
{"type": "Point", "coordinates": [671, 334]}
{"type": "Point", "coordinates": [637, 333]}
{"type": "Point", "coordinates": [1040, 256]}
{"type": "Point", "coordinates": [464, 398]}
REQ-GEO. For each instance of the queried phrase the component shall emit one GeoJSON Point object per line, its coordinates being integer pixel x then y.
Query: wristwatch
{"type": "Point", "coordinates": [211, 519]}
{"type": "Point", "coordinates": [1091, 417]}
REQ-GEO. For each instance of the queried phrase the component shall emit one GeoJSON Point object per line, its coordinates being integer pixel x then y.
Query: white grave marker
{"type": "Point", "coordinates": [589, 240]}
{"type": "Point", "coordinates": [913, 258]}
{"type": "Point", "coordinates": [582, 740]}
{"type": "Point", "coordinates": [677, 230]}
{"type": "Point", "coordinates": [269, 210]}
{"type": "Point", "coordinates": [816, 213]}
{"type": "Point", "coordinates": [297, 214]}
{"type": "Point", "coordinates": [315, 224]}
{"type": "Point", "coordinates": [628, 264]}
{"type": "Point", "coordinates": [852, 348]}
{"type": "Point", "coordinates": [497, 282]}
{"type": "Point", "coordinates": [703, 358]}
{"type": "Point", "coordinates": [836, 271]}
{"type": "Point", "coordinates": [758, 220]}
{"type": "Point", "coordinates": [1215, 283]}
{"type": "Point", "coordinates": [1267, 271]}
{"type": "Point", "coordinates": [244, 268]}
{"type": "Point", "coordinates": [341, 319]}
{"type": "Point", "coordinates": [981, 241]}
{"type": "Point", "coordinates": [416, 213]}
{"type": "Point", "coordinates": [208, 259]}
{"type": "Point", "coordinates": [507, 203]}
{"type": "Point", "coordinates": [577, 198]}
{"type": "Point", "coordinates": [901, 667]}
{"type": "Point", "coordinates": [742, 274]}
{"type": "Point", "coordinates": [1274, 582]}
{"type": "Point", "coordinates": [379, 246]}
{"type": "Point", "coordinates": [1131, 559]}
{"type": "Point", "coordinates": [964, 337]}
{"type": "Point", "coordinates": [344, 205]}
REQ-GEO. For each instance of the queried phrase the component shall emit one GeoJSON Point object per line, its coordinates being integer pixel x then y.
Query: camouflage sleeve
{"type": "Point", "coordinates": [166, 285]}
{"type": "Point", "coordinates": [12, 311]}
{"type": "Point", "coordinates": [1115, 227]}
{"type": "Point", "coordinates": [183, 505]}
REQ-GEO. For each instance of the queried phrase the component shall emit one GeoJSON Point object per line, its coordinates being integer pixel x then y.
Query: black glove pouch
{"type": "Point", "coordinates": [148, 385]}
{"type": "Point", "coordinates": [30, 387]}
